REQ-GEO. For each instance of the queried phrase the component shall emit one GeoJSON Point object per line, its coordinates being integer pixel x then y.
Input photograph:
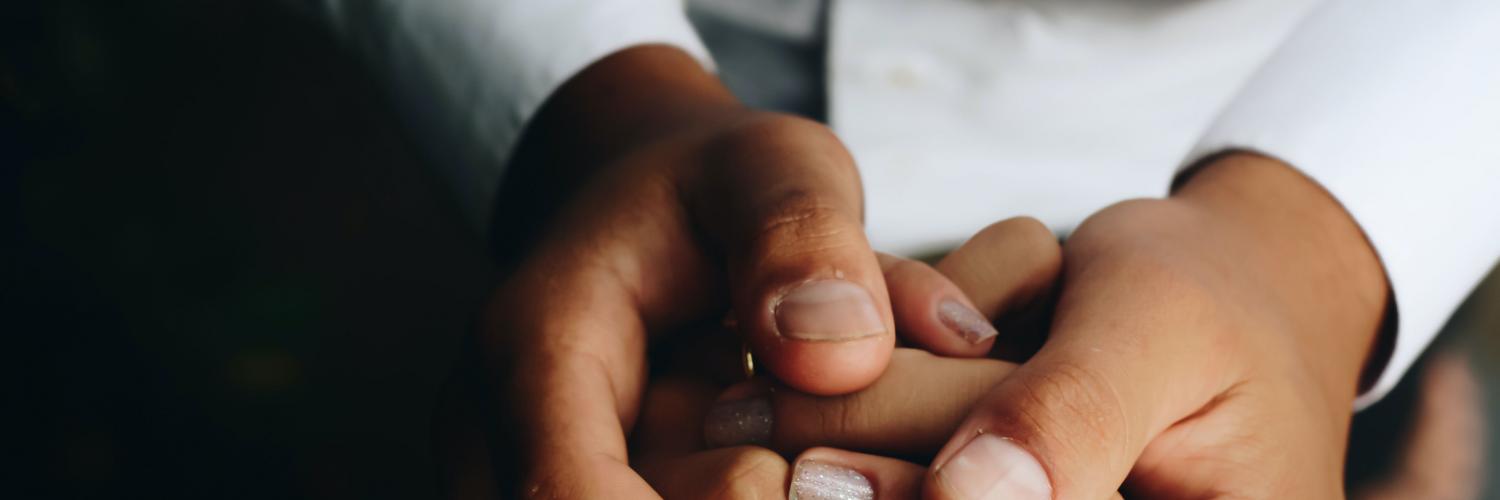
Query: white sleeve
{"type": "Point", "coordinates": [1394, 107]}
{"type": "Point", "coordinates": [470, 73]}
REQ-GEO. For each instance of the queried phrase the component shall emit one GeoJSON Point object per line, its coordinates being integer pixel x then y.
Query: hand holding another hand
{"type": "Point", "coordinates": [674, 205]}
{"type": "Point", "coordinates": [1206, 345]}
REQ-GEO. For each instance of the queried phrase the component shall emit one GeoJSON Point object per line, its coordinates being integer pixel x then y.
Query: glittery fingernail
{"type": "Point", "coordinates": [965, 321]}
{"type": "Point", "coordinates": [739, 422]}
{"type": "Point", "coordinates": [814, 480]}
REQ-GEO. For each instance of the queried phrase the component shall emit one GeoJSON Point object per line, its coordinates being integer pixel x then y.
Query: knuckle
{"type": "Point", "coordinates": [840, 417]}
{"type": "Point", "coordinates": [752, 472]}
{"type": "Point", "coordinates": [1026, 239]}
{"type": "Point", "coordinates": [760, 131]}
{"type": "Point", "coordinates": [901, 270]}
{"type": "Point", "coordinates": [771, 136]}
{"type": "Point", "coordinates": [801, 223]}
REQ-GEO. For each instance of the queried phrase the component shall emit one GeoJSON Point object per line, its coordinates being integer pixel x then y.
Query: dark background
{"type": "Point", "coordinates": [232, 275]}
{"type": "Point", "coordinates": [229, 273]}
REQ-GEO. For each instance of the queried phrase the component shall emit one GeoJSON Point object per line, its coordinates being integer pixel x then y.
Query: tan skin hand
{"type": "Point", "coordinates": [667, 443]}
{"type": "Point", "coordinates": [1206, 345]}
{"type": "Point", "coordinates": [644, 199]}
{"type": "Point", "coordinates": [1297, 298]}
{"type": "Point", "coordinates": [1232, 319]}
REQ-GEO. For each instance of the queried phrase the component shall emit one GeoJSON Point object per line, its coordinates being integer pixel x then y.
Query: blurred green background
{"type": "Point", "coordinates": [230, 275]}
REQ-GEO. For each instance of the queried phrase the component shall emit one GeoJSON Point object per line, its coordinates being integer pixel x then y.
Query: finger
{"type": "Point", "coordinates": [572, 393]}
{"type": "Point", "coordinates": [1009, 271]}
{"type": "Point", "coordinates": [1071, 422]}
{"type": "Point", "coordinates": [669, 455]}
{"type": "Point", "coordinates": [910, 411]}
{"type": "Point", "coordinates": [565, 337]}
{"type": "Point", "coordinates": [1005, 265]}
{"type": "Point", "coordinates": [828, 473]}
{"type": "Point", "coordinates": [671, 410]}
{"type": "Point", "coordinates": [742, 472]}
{"type": "Point", "coordinates": [463, 445]}
{"type": "Point", "coordinates": [807, 291]}
{"type": "Point", "coordinates": [931, 312]}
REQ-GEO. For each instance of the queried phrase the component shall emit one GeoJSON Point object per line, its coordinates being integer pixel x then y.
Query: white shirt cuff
{"type": "Point", "coordinates": [1394, 107]}
{"type": "Point", "coordinates": [473, 72]}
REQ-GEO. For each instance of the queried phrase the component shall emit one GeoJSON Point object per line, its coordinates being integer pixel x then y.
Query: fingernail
{"type": "Point", "coordinates": [814, 480]}
{"type": "Point", "coordinates": [828, 310]}
{"type": "Point", "coordinates": [993, 468]}
{"type": "Point", "coordinates": [734, 423]}
{"type": "Point", "coordinates": [969, 324]}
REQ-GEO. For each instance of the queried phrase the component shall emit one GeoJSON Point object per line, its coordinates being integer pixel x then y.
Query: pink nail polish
{"type": "Point", "coordinates": [814, 480]}
{"type": "Point", "coordinates": [740, 422]}
{"type": "Point", "coordinates": [968, 323]}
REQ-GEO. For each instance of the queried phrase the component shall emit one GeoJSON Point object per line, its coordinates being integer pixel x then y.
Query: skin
{"type": "Point", "coordinates": [1206, 345]}
{"type": "Point", "coordinates": [1235, 315]}
{"type": "Point", "coordinates": [666, 449]}
{"type": "Point", "coordinates": [645, 200]}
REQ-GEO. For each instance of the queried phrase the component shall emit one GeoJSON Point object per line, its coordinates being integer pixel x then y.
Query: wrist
{"type": "Point", "coordinates": [1304, 253]}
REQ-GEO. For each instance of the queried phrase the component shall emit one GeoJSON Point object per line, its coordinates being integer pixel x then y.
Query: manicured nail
{"type": "Point", "coordinates": [814, 480]}
{"type": "Point", "coordinates": [963, 319]}
{"type": "Point", "coordinates": [734, 423]}
{"type": "Point", "coordinates": [828, 310]}
{"type": "Point", "coordinates": [993, 468]}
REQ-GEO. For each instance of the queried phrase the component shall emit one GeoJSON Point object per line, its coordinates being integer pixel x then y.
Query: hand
{"type": "Point", "coordinates": [675, 194]}
{"type": "Point", "coordinates": [669, 452]}
{"type": "Point", "coordinates": [667, 449]}
{"type": "Point", "coordinates": [1210, 344]}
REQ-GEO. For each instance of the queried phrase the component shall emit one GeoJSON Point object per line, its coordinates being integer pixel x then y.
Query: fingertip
{"type": "Point", "coordinates": [828, 368]}
{"type": "Point", "coordinates": [989, 466]}
{"type": "Point", "coordinates": [828, 310]}
{"type": "Point", "coordinates": [742, 415]}
{"type": "Point", "coordinates": [961, 317]}
{"type": "Point", "coordinates": [932, 312]}
{"type": "Point", "coordinates": [1005, 265]}
{"type": "Point", "coordinates": [824, 336]}
{"type": "Point", "coordinates": [831, 473]}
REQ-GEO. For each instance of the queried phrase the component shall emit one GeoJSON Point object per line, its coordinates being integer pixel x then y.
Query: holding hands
{"type": "Point", "coordinates": [1208, 344]}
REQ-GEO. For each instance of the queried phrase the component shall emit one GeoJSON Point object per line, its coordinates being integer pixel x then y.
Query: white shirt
{"type": "Point", "coordinates": [963, 112]}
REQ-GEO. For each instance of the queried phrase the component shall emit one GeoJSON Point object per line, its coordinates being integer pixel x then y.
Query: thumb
{"type": "Point", "coordinates": [1071, 422]}
{"type": "Point", "coordinates": [783, 199]}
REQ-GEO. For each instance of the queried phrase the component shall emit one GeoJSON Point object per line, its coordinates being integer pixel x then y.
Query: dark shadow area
{"type": "Point", "coordinates": [227, 273]}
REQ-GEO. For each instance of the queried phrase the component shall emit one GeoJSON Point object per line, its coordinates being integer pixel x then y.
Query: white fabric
{"type": "Point", "coordinates": [472, 71]}
{"type": "Point", "coordinates": [962, 112]}
{"type": "Point", "coordinates": [1394, 106]}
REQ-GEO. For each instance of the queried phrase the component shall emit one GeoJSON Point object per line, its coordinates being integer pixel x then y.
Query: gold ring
{"type": "Point", "coordinates": [747, 361]}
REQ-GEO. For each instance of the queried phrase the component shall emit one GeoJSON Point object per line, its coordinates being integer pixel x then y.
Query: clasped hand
{"type": "Point", "coordinates": [1206, 344]}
